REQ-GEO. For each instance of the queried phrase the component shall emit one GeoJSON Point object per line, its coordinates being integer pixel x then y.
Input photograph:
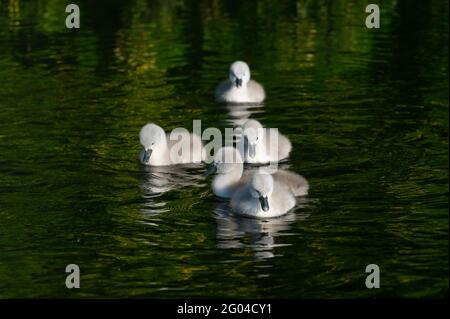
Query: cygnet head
{"type": "Point", "coordinates": [226, 160]}
{"type": "Point", "coordinates": [239, 74]}
{"type": "Point", "coordinates": [261, 188]}
{"type": "Point", "coordinates": [253, 133]}
{"type": "Point", "coordinates": [153, 138]}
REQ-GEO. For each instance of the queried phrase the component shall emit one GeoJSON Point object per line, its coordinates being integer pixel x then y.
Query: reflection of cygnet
{"type": "Point", "coordinates": [260, 146]}
{"type": "Point", "coordinates": [268, 195]}
{"type": "Point", "coordinates": [162, 179]}
{"type": "Point", "coordinates": [238, 114]}
{"type": "Point", "coordinates": [260, 235]}
{"type": "Point", "coordinates": [239, 88]}
{"type": "Point", "coordinates": [160, 149]}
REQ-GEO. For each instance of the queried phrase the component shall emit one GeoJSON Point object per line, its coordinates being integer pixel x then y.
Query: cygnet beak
{"type": "Point", "coordinates": [264, 203]}
{"type": "Point", "coordinates": [238, 82]}
{"type": "Point", "coordinates": [147, 155]}
{"type": "Point", "coordinates": [251, 150]}
{"type": "Point", "coordinates": [212, 169]}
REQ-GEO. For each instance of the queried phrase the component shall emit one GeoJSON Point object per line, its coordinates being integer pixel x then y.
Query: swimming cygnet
{"type": "Point", "coordinates": [255, 194]}
{"type": "Point", "coordinates": [239, 88]}
{"type": "Point", "coordinates": [228, 167]}
{"type": "Point", "coordinates": [160, 149]}
{"type": "Point", "coordinates": [268, 195]}
{"type": "Point", "coordinates": [260, 147]}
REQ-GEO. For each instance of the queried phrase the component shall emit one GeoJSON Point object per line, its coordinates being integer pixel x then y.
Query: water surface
{"type": "Point", "coordinates": [366, 111]}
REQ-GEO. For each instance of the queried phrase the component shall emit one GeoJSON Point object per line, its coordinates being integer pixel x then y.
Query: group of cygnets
{"type": "Point", "coordinates": [258, 194]}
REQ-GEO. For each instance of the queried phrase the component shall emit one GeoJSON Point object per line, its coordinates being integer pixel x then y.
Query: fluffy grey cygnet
{"type": "Point", "coordinates": [239, 88]}
{"type": "Point", "coordinates": [160, 150]}
{"type": "Point", "coordinates": [258, 195]}
{"type": "Point", "coordinates": [260, 147]}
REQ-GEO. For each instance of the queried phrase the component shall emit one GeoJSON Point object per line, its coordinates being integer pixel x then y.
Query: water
{"type": "Point", "coordinates": [366, 111]}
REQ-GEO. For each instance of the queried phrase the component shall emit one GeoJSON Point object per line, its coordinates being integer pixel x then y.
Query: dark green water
{"type": "Point", "coordinates": [366, 111]}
